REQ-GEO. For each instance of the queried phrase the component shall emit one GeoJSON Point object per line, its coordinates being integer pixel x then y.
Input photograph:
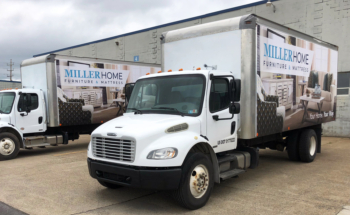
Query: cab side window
{"type": "Point", "coordinates": [219, 95]}
{"type": "Point", "coordinates": [22, 103]}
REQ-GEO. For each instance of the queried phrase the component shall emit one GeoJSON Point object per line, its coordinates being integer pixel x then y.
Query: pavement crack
{"type": "Point", "coordinates": [139, 197]}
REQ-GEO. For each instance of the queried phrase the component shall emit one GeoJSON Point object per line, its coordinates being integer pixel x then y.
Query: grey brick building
{"type": "Point", "coordinates": [10, 84]}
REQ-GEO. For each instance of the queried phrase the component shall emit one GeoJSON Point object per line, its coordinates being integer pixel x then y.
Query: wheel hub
{"type": "Point", "coordinates": [199, 181]}
{"type": "Point", "coordinates": [312, 147]}
{"type": "Point", "coordinates": [7, 146]}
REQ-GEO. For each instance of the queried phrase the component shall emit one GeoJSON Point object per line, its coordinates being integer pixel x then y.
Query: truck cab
{"type": "Point", "coordinates": [175, 135]}
{"type": "Point", "coordinates": [22, 112]}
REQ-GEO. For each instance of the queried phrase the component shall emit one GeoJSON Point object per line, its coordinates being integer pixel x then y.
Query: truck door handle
{"type": "Point", "coordinates": [40, 120]}
{"type": "Point", "coordinates": [233, 127]}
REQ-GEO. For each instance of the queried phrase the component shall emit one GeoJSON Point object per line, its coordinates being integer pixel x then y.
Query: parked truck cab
{"type": "Point", "coordinates": [162, 141]}
{"type": "Point", "coordinates": [21, 112]}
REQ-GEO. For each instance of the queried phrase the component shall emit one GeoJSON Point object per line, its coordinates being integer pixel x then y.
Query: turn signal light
{"type": "Point", "coordinates": [181, 70]}
{"type": "Point", "coordinates": [198, 68]}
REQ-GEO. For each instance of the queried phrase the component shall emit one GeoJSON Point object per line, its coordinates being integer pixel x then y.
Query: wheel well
{"type": "Point", "coordinates": [13, 131]}
{"type": "Point", "coordinates": [206, 149]}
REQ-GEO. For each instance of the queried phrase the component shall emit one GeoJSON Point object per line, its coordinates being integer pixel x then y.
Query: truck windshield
{"type": "Point", "coordinates": [6, 102]}
{"type": "Point", "coordinates": [182, 95]}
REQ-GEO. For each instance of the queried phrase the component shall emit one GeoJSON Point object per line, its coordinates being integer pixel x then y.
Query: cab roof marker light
{"type": "Point", "coordinates": [181, 69]}
{"type": "Point", "coordinates": [148, 73]}
{"type": "Point", "coordinates": [170, 70]}
{"type": "Point", "coordinates": [198, 68]}
{"type": "Point", "coordinates": [159, 71]}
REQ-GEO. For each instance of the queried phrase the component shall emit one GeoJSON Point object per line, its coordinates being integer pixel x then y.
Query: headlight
{"type": "Point", "coordinates": [160, 154]}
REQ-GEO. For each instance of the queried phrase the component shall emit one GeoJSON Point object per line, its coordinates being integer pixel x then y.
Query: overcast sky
{"type": "Point", "coordinates": [30, 27]}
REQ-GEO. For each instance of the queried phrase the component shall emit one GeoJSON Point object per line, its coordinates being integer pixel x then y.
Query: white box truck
{"type": "Point", "coordinates": [226, 90]}
{"type": "Point", "coordinates": [62, 97]}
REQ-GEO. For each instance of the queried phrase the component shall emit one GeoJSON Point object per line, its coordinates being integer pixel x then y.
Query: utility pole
{"type": "Point", "coordinates": [11, 70]}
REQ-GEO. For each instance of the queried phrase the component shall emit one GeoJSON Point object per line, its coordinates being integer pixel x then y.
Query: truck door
{"type": "Point", "coordinates": [221, 127]}
{"type": "Point", "coordinates": [30, 113]}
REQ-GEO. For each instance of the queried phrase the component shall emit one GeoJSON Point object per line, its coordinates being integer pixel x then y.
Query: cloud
{"type": "Point", "coordinates": [30, 27]}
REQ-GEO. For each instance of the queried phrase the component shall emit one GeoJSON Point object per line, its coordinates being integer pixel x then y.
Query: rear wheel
{"type": "Point", "coordinates": [9, 146]}
{"type": "Point", "coordinates": [308, 145]}
{"type": "Point", "coordinates": [109, 185]}
{"type": "Point", "coordinates": [196, 183]}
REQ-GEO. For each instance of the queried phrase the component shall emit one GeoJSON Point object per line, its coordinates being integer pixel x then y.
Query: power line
{"type": "Point", "coordinates": [11, 70]}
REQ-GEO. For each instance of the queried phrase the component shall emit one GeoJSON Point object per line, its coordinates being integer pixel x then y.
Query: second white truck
{"type": "Point", "coordinates": [227, 89]}
{"type": "Point", "coordinates": [62, 97]}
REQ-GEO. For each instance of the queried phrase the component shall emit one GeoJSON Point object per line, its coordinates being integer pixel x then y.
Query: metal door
{"type": "Point", "coordinates": [222, 134]}
{"type": "Point", "coordinates": [35, 120]}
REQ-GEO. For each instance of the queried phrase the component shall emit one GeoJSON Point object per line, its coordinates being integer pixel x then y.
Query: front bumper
{"type": "Point", "coordinates": [138, 177]}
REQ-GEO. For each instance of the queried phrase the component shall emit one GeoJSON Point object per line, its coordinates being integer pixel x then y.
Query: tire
{"type": "Point", "coordinates": [109, 185]}
{"type": "Point", "coordinates": [308, 145]}
{"type": "Point", "coordinates": [9, 146]}
{"type": "Point", "coordinates": [293, 147]}
{"type": "Point", "coordinates": [194, 166]}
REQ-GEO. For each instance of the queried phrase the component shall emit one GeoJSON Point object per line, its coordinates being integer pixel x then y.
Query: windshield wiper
{"type": "Point", "coordinates": [169, 108]}
{"type": "Point", "coordinates": [2, 111]}
{"type": "Point", "coordinates": [136, 110]}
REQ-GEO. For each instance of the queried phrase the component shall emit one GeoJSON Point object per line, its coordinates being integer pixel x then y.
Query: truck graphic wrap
{"type": "Point", "coordinates": [92, 92]}
{"type": "Point", "coordinates": [296, 82]}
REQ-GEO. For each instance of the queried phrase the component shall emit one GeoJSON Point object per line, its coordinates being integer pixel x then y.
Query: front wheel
{"type": "Point", "coordinates": [9, 146]}
{"type": "Point", "coordinates": [196, 183]}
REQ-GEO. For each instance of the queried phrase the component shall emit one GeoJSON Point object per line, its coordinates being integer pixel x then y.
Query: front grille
{"type": "Point", "coordinates": [116, 149]}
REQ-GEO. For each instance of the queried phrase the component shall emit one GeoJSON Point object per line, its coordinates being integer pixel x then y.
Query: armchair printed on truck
{"type": "Point", "coordinates": [73, 111]}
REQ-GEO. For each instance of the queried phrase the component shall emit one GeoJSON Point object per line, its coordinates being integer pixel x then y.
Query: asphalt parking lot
{"type": "Point", "coordinates": [55, 180]}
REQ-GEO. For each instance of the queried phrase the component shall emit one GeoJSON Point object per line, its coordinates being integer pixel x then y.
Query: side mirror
{"type": "Point", "coordinates": [235, 108]}
{"type": "Point", "coordinates": [237, 90]}
{"type": "Point", "coordinates": [128, 90]}
{"type": "Point", "coordinates": [28, 102]}
{"type": "Point", "coordinates": [235, 85]}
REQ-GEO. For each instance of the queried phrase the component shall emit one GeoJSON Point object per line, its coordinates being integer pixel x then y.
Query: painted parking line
{"type": "Point", "coordinates": [345, 211]}
{"type": "Point", "coordinates": [7, 209]}
{"type": "Point", "coordinates": [68, 153]}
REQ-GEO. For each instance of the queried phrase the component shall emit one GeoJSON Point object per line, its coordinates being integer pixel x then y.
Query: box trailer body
{"type": "Point", "coordinates": [227, 88]}
{"type": "Point", "coordinates": [68, 96]}
{"type": "Point", "coordinates": [256, 51]}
